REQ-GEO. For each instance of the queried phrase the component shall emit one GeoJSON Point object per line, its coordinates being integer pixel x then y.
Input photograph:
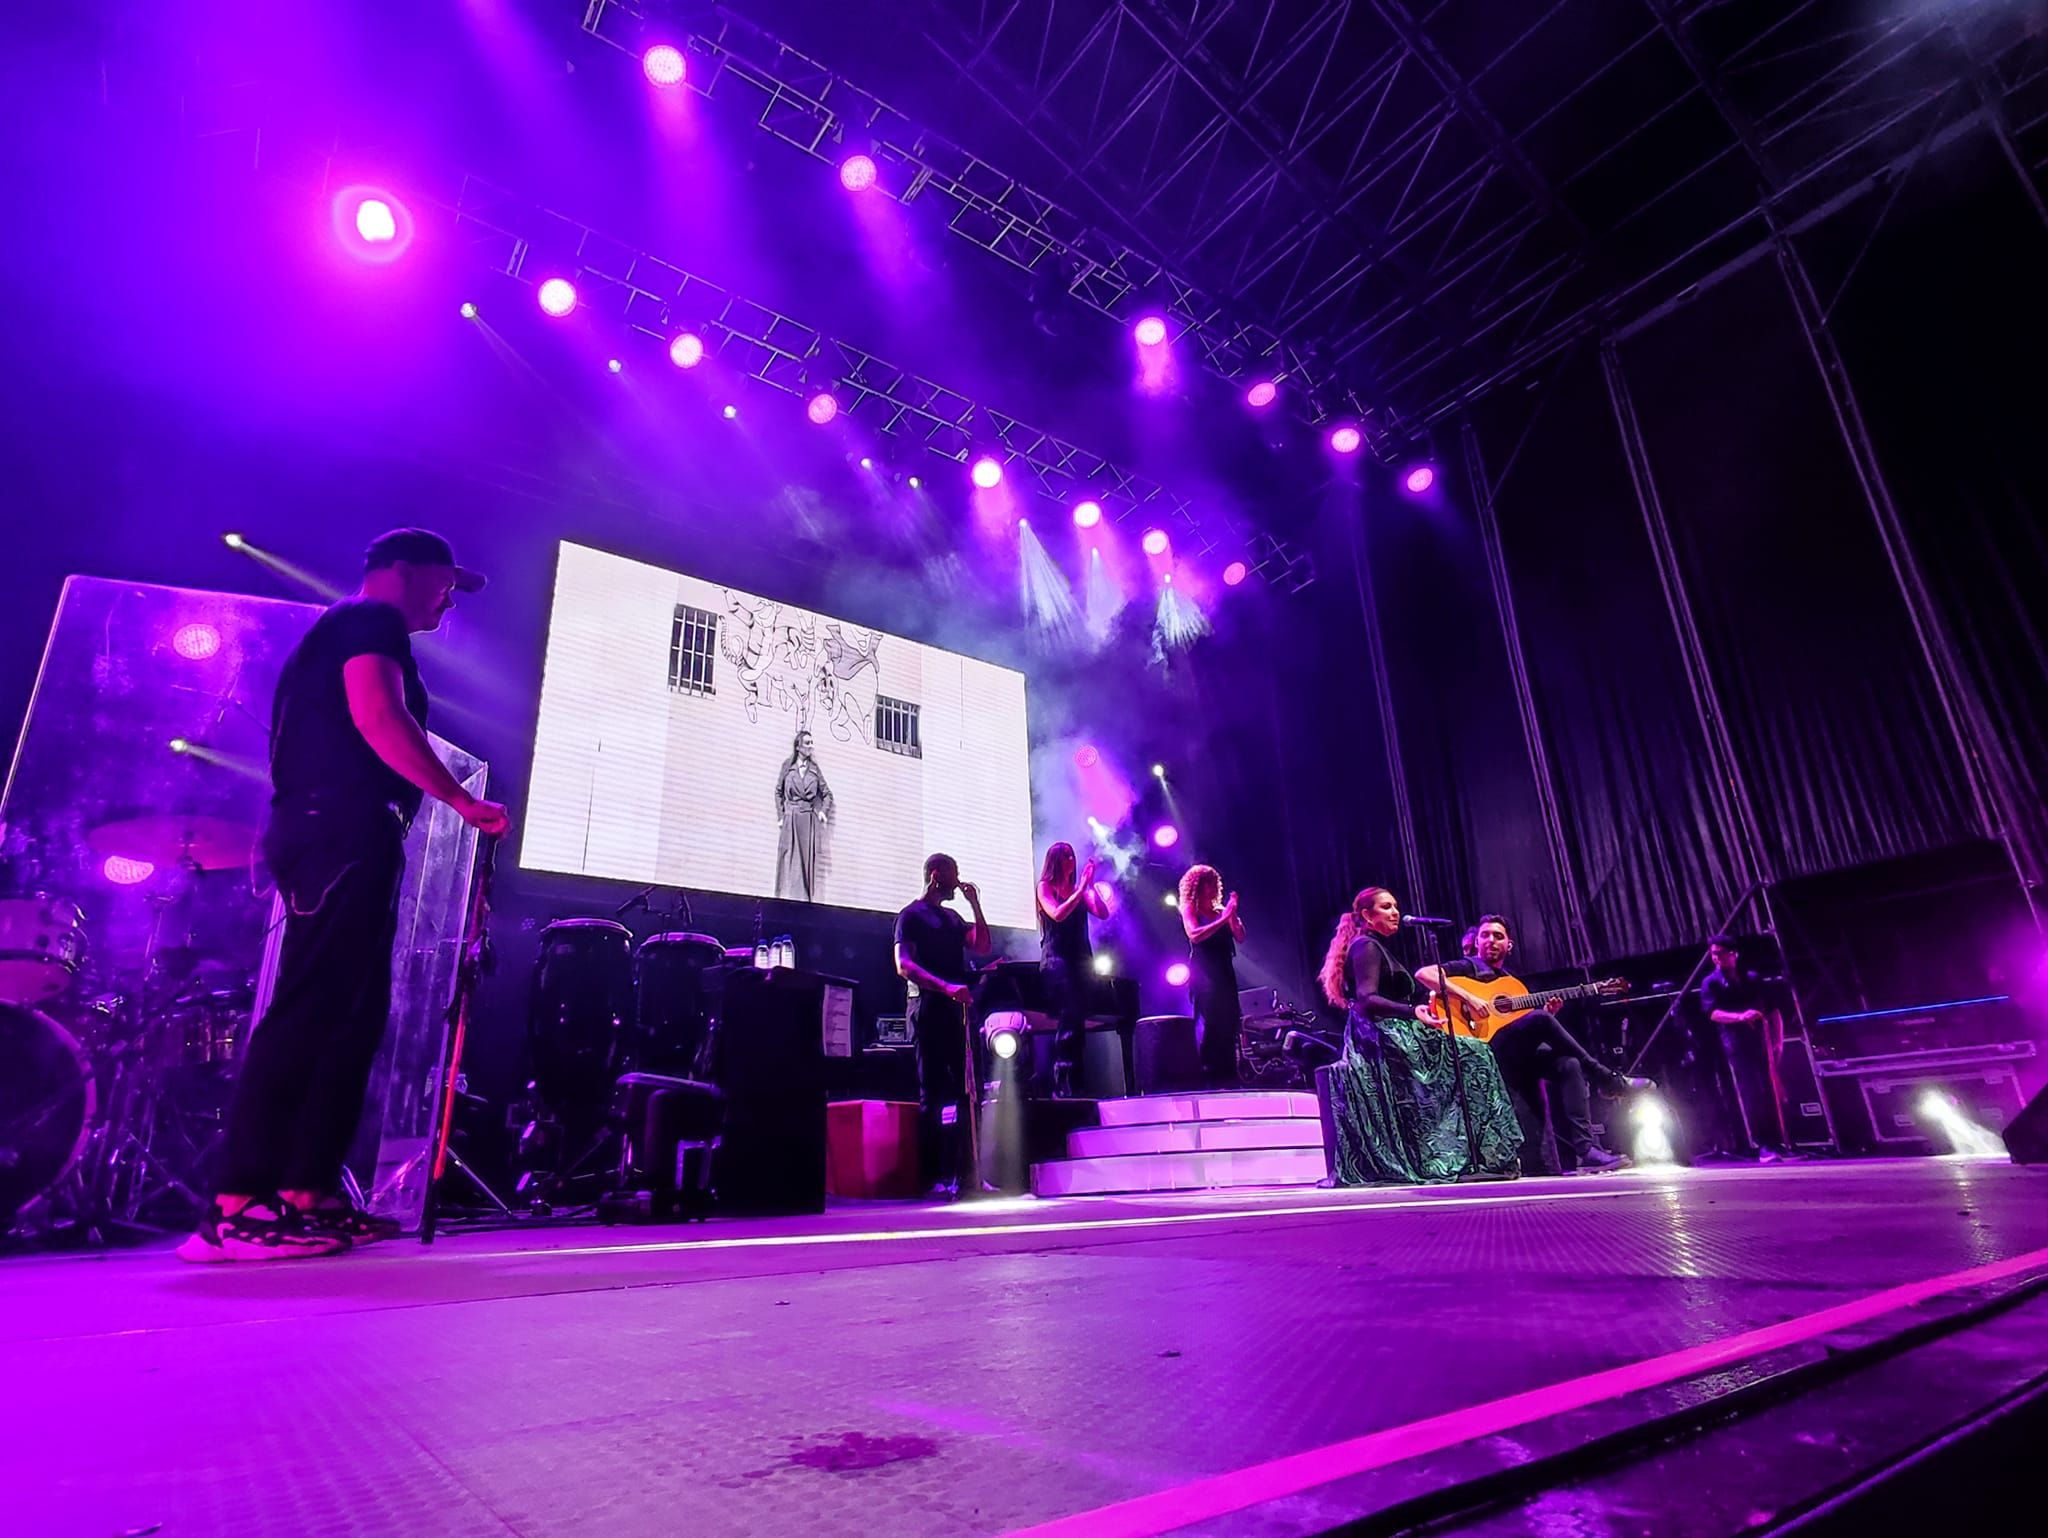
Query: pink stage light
{"type": "Point", "coordinates": [1155, 542]}
{"type": "Point", "coordinates": [1420, 479]}
{"type": "Point", "coordinates": [1087, 514]}
{"type": "Point", "coordinates": [857, 173]}
{"type": "Point", "coordinates": [1087, 756]}
{"type": "Point", "coordinates": [664, 64]}
{"type": "Point", "coordinates": [371, 224]}
{"type": "Point", "coordinates": [196, 642]}
{"type": "Point", "coordinates": [822, 407]}
{"type": "Point", "coordinates": [687, 350]}
{"type": "Point", "coordinates": [1345, 440]}
{"type": "Point", "coordinates": [1165, 836]}
{"type": "Point", "coordinates": [987, 473]}
{"type": "Point", "coordinates": [122, 871]}
{"type": "Point", "coordinates": [1177, 975]}
{"type": "Point", "coordinates": [1235, 573]}
{"type": "Point", "coordinates": [1261, 395]}
{"type": "Point", "coordinates": [375, 222]}
{"type": "Point", "coordinates": [558, 297]}
{"type": "Point", "coordinates": [1150, 331]}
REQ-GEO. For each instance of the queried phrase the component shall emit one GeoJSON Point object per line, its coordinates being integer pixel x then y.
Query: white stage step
{"type": "Point", "coordinates": [1207, 1170]}
{"type": "Point", "coordinates": [1207, 1105]}
{"type": "Point", "coordinates": [1194, 1136]}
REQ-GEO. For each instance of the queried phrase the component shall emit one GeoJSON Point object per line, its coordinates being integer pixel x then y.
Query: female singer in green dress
{"type": "Point", "coordinates": [1394, 1092]}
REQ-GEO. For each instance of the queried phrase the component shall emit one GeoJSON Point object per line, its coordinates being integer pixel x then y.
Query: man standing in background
{"type": "Point", "coordinates": [932, 946]}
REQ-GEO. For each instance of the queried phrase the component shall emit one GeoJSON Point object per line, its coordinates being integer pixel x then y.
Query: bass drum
{"type": "Point", "coordinates": [581, 1010]}
{"type": "Point", "coordinates": [47, 1106]}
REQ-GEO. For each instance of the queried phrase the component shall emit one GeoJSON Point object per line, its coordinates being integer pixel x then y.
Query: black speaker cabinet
{"type": "Point", "coordinates": [768, 1057]}
{"type": "Point", "coordinates": [2026, 1135]}
{"type": "Point", "coordinates": [1167, 1054]}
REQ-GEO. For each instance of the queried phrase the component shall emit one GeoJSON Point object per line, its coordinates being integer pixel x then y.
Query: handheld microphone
{"type": "Point", "coordinates": [1425, 921]}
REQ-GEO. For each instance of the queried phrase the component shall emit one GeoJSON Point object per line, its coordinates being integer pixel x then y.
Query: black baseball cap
{"type": "Point", "coordinates": [420, 547]}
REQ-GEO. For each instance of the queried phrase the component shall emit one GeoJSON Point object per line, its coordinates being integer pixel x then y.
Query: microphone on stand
{"type": "Point", "coordinates": [1425, 921]}
{"type": "Point", "coordinates": [637, 900]}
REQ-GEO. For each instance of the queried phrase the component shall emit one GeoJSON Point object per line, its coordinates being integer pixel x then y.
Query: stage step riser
{"type": "Point", "coordinates": [1209, 1105]}
{"type": "Point", "coordinates": [1194, 1137]}
{"type": "Point", "coordinates": [1211, 1170]}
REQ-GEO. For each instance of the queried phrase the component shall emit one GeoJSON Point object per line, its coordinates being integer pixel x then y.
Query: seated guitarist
{"type": "Point", "coordinates": [1534, 1051]}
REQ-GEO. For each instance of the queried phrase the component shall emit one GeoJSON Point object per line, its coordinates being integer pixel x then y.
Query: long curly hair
{"type": "Point", "coordinates": [1194, 881]}
{"type": "Point", "coordinates": [1349, 928]}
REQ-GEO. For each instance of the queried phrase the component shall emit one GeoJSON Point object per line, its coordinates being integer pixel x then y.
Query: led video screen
{"type": "Point", "coordinates": [702, 737]}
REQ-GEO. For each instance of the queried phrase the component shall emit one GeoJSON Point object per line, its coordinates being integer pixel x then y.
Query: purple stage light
{"type": "Point", "coordinates": [1177, 975]}
{"type": "Point", "coordinates": [375, 222]}
{"type": "Point", "coordinates": [1105, 892]}
{"type": "Point", "coordinates": [987, 473]}
{"type": "Point", "coordinates": [122, 871]}
{"type": "Point", "coordinates": [1235, 573]}
{"type": "Point", "coordinates": [687, 350]}
{"type": "Point", "coordinates": [196, 642]}
{"type": "Point", "coordinates": [1420, 479]}
{"type": "Point", "coordinates": [1087, 756]}
{"type": "Point", "coordinates": [371, 224]}
{"type": "Point", "coordinates": [664, 64]}
{"type": "Point", "coordinates": [1165, 836]}
{"type": "Point", "coordinates": [857, 173]}
{"type": "Point", "coordinates": [558, 297]}
{"type": "Point", "coordinates": [1346, 439]}
{"type": "Point", "coordinates": [1155, 542]}
{"type": "Point", "coordinates": [1261, 395]}
{"type": "Point", "coordinates": [617, 366]}
{"type": "Point", "coordinates": [1087, 514]}
{"type": "Point", "coordinates": [821, 408]}
{"type": "Point", "coordinates": [1150, 331]}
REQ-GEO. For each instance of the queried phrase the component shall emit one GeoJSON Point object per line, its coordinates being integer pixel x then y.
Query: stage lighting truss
{"type": "Point", "coordinates": [657, 298]}
{"type": "Point", "coordinates": [805, 104]}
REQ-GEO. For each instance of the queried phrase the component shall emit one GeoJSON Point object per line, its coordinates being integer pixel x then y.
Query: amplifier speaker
{"type": "Point", "coordinates": [2026, 1135]}
{"type": "Point", "coordinates": [769, 1056]}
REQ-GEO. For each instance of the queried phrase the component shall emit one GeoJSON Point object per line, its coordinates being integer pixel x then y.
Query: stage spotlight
{"type": "Point", "coordinates": [1104, 962]}
{"type": "Point", "coordinates": [857, 173]}
{"type": "Point", "coordinates": [822, 407]}
{"type": "Point", "coordinates": [468, 310]}
{"type": "Point", "coordinates": [987, 473]}
{"type": "Point", "coordinates": [1235, 573]}
{"type": "Point", "coordinates": [866, 463]}
{"type": "Point", "coordinates": [123, 871]}
{"type": "Point", "coordinates": [1172, 900]}
{"type": "Point", "coordinates": [1087, 756]}
{"type": "Point", "coordinates": [915, 483]}
{"type": "Point", "coordinates": [1653, 1130]}
{"type": "Point", "coordinates": [1155, 542]}
{"type": "Point", "coordinates": [1105, 893]}
{"type": "Point", "coordinates": [1159, 771]}
{"type": "Point", "coordinates": [1345, 439]}
{"type": "Point", "coordinates": [1003, 1043]}
{"type": "Point", "coordinates": [1420, 479]}
{"type": "Point", "coordinates": [615, 365]}
{"type": "Point", "coordinates": [1963, 1135]}
{"type": "Point", "coordinates": [196, 642]}
{"type": "Point", "coordinates": [1150, 331]}
{"type": "Point", "coordinates": [664, 64]}
{"type": "Point", "coordinates": [687, 350]}
{"type": "Point", "coordinates": [375, 221]}
{"type": "Point", "coordinates": [729, 412]}
{"type": "Point", "coordinates": [1165, 836]}
{"type": "Point", "coordinates": [557, 297]}
{"type": "Point", "coordinates": [1087, 514]}
{"type": "Point", "coordinates": [1261, 395]}
{"type": "Point", "coordinates": [233, 541]}
{"type": "Point", "coordinates": [180, 745]}
{"type": "Point", "coordinates": [1177, 975]}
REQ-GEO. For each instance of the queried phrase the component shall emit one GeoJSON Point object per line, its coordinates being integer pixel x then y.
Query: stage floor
{"type": "Point", "coordinates": [1241, 1363]}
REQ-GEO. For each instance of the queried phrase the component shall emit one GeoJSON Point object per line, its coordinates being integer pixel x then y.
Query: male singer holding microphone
{"type": "Point", "coordinates": [932, 946]}
{"type": "Point", "coordinates": [349, 766]}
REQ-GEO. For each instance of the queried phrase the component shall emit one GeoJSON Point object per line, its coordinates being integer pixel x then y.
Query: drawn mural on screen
{"type": "Point", "coordinates": [773, 751]}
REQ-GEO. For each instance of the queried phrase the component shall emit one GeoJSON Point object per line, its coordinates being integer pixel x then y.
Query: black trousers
{"type": "Point", "coordinates": [1535, 1053]}
{"type": "Point", "coordinates": [1218, 1021]}
{"type": "Point", "coordinates": [944, 1143]}
{"type": "Point", "coordinates": [1759, 1106]}
{"type": "Point", "coordinates": [300, 1095]}
{"type": "Point", "coordinates": [1066, 987]}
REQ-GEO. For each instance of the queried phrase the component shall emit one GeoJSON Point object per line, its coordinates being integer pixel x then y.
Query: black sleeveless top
{"type": "Point", "coordinates": [1065, 939]}
{"type": "Point", "coordinates": [1212, 961]}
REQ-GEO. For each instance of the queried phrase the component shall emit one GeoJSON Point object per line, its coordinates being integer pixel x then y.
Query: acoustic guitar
{"type": "Point", "coordinates": [1508, 999]}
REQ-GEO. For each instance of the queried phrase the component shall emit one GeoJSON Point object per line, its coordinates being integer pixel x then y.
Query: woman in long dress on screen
{"type": "Point", "coordinates": [803, 803]}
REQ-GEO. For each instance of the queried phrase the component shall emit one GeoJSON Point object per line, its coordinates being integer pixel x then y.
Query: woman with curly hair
{"type": "Point", "coordinates": [1213, 929]}
{"type": "Point", "coordinates": [1395, 1102]}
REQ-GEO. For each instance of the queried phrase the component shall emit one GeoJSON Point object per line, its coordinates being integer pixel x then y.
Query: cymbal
{"type": "Point", "coordinates": [177, 838]}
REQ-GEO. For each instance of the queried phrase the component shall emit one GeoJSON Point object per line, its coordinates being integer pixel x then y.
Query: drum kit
{"type": "Point", "coordinates": [115, 1068]}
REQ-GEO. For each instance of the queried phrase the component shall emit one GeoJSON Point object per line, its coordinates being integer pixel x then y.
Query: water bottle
{"type": "Point", "coordinates": [761, 954]}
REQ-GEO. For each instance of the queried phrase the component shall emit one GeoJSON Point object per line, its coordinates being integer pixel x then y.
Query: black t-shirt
{"type": "Point", "coordinates": [1472, 967]}
{"type": "Point", "coordinates": [316, 752]}
{"type": "Point", "coordinates": [936, 939]}
{"type": "Point", "coordinates": [1067, 938]}
{"type": "Point", "coordinates": [1732, 994]}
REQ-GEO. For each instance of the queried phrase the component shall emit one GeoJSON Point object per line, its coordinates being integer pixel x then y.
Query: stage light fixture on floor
{"type": "Point", "coordinates": [1177, 975]}
{"type": "Point", "coordinates": [1419, 479]}
{"type": "Point", "coordinates": [1652, 1119]}
{"type": "Point", "coordinates": [1345, 439]}
{"type": "Point", "coordinates": [1150, 331]}
{"type": "Point", "coordinates": [1261, 395]}
{"type": "Point", "coordinates": [1155, 542]}
{"type": "Point", "coordinates": [664, 65]}
{"type": "Point", "coordinates": [857, 173]}
{"type": "Point", "coordinates": [822, 407]}
{"type": "Point", "coordinates": [987, 473]}
{"type": "Point", "coordinates": [557, 297]}
{"type": "Point", "coordinates": [1104, 963]}
{"type": "Point", "coordinates": [687, 350]}
{"type": "Point", "coordinates": [468, 310]}
{"type": "Point", "coordinates": [1963, 1135]}
{"type": "Point", "coordinates": [1087, 514]}
{"type": "Point", "coordinates": [1235, 573]}
{"type": "Point", "coordinates": [1004, 1043]}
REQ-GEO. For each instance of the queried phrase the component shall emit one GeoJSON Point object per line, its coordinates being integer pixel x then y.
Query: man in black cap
{"type": "Point", "coordinates": [349, 766]}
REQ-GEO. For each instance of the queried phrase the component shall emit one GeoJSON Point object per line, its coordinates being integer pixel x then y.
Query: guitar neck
{"type": "Point", "coordinates": [1537, 1000]}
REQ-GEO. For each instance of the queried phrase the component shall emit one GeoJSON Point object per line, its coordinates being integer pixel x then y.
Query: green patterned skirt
{"type": "Point", "coordinates": [1394, 1098]}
